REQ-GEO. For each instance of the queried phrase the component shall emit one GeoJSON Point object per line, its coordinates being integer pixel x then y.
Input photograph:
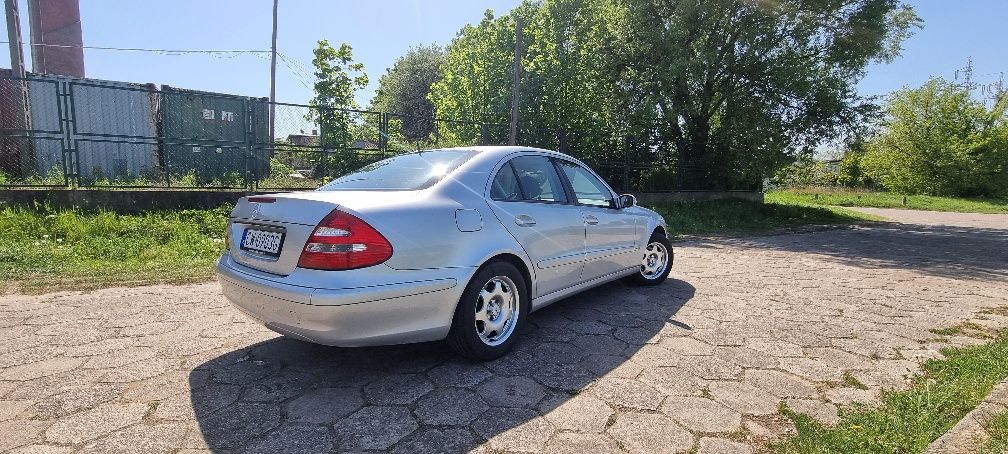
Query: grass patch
{"type": "Point", "coordinates": [968, 329]}
{"type": "Point", "coordinates": [946, 331]}
{"type": "Point", "coordinates": [851, 382]}
{"type": "Point", "coordinates": [997, 428]}
{"type": "Point", "coordinates": [889, 200]}
{"type": "Point", "coordinates": [908, 421]}
{"type": "Point", "coordinates": [734, 215]}
{"type": "Point", "coordinates": [42, 249]}
{"type": "Point", "coordinates": [1002, 311]}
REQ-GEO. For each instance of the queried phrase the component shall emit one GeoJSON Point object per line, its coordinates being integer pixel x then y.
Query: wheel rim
{"type": "Point", "coordinates": [497, 309]}
{"type": "Point", "coordinates": [655, 261]}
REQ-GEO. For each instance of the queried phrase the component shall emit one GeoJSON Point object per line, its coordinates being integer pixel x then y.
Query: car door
{"type": "Point", "coordinates": [611, 235]}
{"type": "Point", "coordinates": [528, 197]}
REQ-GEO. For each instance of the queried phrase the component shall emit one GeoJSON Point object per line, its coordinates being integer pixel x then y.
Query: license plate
{"type": "Point", "coordinates": [262, 241]}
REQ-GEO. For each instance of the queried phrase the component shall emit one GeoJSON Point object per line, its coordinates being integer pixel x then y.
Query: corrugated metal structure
{"type": "Point", "coordinates": [113, 123]}
{"type": "Point", "coordinates": [214, 136]}
{"type": "Point", "coordinates": [100, 132]}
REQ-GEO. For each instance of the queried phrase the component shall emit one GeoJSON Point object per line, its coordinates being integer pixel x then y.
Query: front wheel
{"type": "Point", "coordinates": [492, 308]}
{"type": "Point", "coordinates": [656, 263]}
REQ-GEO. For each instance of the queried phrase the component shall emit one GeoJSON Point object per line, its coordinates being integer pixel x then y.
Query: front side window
{"type": "Point", "coordinates": [538, 179]}
{"type": "Point", "coordinates": [588, 189]}
{"type": "Point", "coordinates": [407, 172]}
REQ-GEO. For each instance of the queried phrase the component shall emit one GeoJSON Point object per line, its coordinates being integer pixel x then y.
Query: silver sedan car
{"type": "Point", "coordinates": [458, 244]}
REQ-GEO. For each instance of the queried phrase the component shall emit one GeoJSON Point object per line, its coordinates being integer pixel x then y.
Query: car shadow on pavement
{"type": "Point", "coordinates": [942, 251]}
{"type": "Point", "coordinates": [284, 395]}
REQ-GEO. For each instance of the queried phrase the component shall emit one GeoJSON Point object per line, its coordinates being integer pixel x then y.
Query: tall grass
{"type": "Point", "coordinates": [44, 249]}
{"type": "Point", "coordinates": [733, 215]}
{"type": "Point", "coordinates": [888, 200]}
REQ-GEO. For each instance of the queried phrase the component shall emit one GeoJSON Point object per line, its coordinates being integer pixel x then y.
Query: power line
{"type": "Point", "coordinates": [296, 69]}
{"type": "Point", "coordinates": [143, 49]}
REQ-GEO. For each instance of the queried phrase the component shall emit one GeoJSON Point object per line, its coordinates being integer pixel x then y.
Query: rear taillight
{"type": "Point", "coordinates": [342, 241]}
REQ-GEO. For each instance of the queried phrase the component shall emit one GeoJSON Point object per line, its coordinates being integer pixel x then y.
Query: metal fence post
{"type": "Point", "coordinates": [249, 180]}
{"type": "Point", "coordinates": [71, 155]}
{"type": "Point", "coordinates": [383, 132]}
{"type": "Point", "coordinates": [626, 165]}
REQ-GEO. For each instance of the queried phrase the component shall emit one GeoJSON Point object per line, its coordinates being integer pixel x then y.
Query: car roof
{"type": "Point", "coordinates": [491, 151]}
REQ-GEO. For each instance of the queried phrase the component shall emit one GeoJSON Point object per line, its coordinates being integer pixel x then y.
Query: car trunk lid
{"type": "Point", "coordinates": [268, 232]}
{"type": "Point", "coordinates": [288, 220]}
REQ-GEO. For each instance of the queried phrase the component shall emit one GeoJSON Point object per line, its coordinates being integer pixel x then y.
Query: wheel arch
{"type": "Point", "coordinates": [659, 229]}
{"type": "Point", "coordinates": [517, 262]}
{"type": "Point", "coordinates": [507, 257]}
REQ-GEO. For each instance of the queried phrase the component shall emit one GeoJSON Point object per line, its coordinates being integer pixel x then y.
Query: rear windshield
{"type": "Point", "coordinates": [408, 172]}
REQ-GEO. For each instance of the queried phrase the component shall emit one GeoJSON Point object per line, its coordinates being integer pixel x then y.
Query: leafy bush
{"type": "Point", "coordinates": [937, 140]}
{"type": "Point", "coordinates": [804, 172]}
{"type": "Point", "coordinates": [186, 179]}
{"type": "Point", "coordinates": [54, 177]}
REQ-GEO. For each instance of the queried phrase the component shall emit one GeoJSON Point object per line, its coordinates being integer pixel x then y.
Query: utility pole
{"type": "Point", "coordinates": [273, 56]}
{"type": "Point", "coordinates": [969, 74]}
{"type": "Point", "coordinates": [14, 38]}
{"type": "Point", "coordinates": [516, 93]}
{"type": "Point", "coordinates": [21, 110]}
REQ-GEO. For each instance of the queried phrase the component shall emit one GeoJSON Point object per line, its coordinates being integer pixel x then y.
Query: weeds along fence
{"type": "Point", "coordinates": [84, 133]}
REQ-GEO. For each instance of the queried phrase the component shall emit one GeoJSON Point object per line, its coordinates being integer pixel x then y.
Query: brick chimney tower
{"type": "Point", "coordinates": [56, 38]}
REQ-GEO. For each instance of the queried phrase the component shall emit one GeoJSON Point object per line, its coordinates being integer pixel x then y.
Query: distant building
{"type": "Point", "coordinates": [304, 140]}
{"type": "Point", "coordinates": [364, 145]}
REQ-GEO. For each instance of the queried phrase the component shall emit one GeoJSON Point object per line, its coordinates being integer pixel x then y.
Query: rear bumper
{"type": "Point", "coordinates": [400, 307]}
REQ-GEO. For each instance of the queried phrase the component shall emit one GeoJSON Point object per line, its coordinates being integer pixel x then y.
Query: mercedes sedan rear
{"type": "Point", "coordinates": [458, 244]}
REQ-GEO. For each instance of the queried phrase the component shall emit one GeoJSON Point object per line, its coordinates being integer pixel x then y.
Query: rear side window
{"type": "Point", "coordinates": [407, 172]}
{"type": "Point", "coordinates": [538, 179]}
{"type": "Point", "coordinates": [588, 189]}
{"type": "Point", "coordinates": [505, 185]}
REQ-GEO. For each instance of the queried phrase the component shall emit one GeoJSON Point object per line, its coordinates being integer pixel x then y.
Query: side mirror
{"type": "Point", "coordinates": [627, 201]}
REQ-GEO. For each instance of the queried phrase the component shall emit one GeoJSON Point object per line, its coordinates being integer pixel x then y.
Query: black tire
{"type": "Point", "coordinates": [464, 337]}
{"type": "Point", "coordinates": [640, 278]}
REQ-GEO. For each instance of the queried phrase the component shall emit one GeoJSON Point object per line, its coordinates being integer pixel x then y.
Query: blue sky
{"type": "Point", "coordinates": [382, 30]}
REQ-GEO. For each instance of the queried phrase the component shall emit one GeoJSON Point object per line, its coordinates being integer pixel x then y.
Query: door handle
{"type": "Point", "coordinates": [524, 220]}
{"type": "Point", "coordinates": [591, 220]}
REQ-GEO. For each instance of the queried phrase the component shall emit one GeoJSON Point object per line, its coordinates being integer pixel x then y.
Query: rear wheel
{"type": "Point", "coordinates": [492, 309]}
{"type": "Point", "coordinates": [656, 262]}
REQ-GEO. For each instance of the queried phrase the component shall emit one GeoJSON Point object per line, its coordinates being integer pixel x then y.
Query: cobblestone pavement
{"type": "Point", "coordinates": [702, 361]}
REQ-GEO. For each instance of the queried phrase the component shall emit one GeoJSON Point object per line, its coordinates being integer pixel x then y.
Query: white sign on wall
{"type": "Point", "coordinates": [210, 114]}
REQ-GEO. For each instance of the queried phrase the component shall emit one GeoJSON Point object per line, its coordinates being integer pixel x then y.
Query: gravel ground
{"type": "Point", "coordinates": [702, 361]}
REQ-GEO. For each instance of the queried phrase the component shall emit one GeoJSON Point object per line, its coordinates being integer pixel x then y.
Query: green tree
{"type": "Point", "coordinates": [852, 173]}
{"type": "Point", "coordinates": [937, 140]}
{"type": "Point", "coordinates": [806, 172]}
{"type": "Point", "coordinates": [337, 79]}
{"type": "Point", "coordinates": [570, 92]}
{"type": "Point", "coordinates": [725, 91]}
{"type": "Point", "coordinates": [404, 89]}
{"type": "Point", "coordinates": [741, 86]}
{"type": "Point", "coordinates": [475, 75]}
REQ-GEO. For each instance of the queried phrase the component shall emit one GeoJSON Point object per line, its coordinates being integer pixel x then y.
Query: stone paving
{"type": "Point", "coordinates": [701, 362]}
